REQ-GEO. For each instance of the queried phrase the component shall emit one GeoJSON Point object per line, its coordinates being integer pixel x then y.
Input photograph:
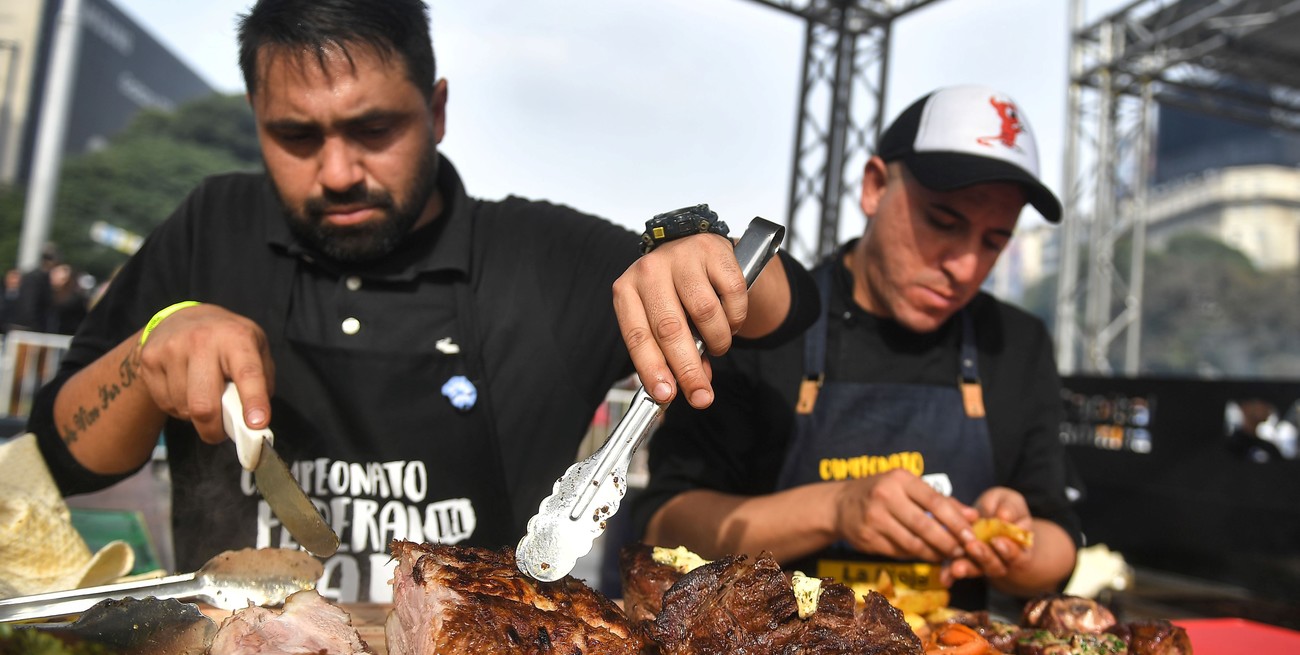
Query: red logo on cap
{"type": "Point", "coordinates": [1011, 125]}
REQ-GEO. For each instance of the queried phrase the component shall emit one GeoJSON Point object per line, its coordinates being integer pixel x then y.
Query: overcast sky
{"type": "Point", "coordinates": [627, 108]}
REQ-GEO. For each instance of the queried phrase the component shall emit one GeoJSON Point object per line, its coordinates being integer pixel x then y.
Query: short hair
{"type": "Point", "coordinates": [399, 27]}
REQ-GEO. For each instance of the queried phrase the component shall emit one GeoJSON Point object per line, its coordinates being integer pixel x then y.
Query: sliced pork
{"type": "Point", "coordinates": [307, 625]}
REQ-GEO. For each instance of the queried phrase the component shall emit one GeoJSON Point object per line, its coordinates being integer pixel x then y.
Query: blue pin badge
{"type": "Point", "coordinates": [461, 392]}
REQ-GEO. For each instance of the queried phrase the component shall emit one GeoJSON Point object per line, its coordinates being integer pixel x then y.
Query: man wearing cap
{"type": "Point", "coordinates": [914, 406]}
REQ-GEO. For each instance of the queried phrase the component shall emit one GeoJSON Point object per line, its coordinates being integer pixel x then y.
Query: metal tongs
{"type": "Point", "coordinates": [589, 493]}
{"type": "Point", "coordinates": [229, 581]}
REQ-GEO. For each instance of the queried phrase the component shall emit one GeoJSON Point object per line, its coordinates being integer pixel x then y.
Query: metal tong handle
{"type": "Point", "coordinates": [539, 552]}
{"type": "Point", "coordinates": [621, 444]}
{"type": "Point", "coordinates": [752, 254]}
{"type": "Point", "coordinates": [76, 601]}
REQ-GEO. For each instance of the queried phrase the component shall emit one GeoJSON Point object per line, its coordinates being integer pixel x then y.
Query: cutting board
{"type": "Point", "coordinates": [367, 618]}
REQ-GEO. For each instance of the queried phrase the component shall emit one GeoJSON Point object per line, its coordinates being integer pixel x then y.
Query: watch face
{"type": "Point", "coordinates": [678, 223]}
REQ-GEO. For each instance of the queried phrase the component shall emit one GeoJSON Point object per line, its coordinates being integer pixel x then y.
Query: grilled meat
{"type": "Point", "coordinates": [1157, 637]}
{"type": "Point", "coordinates": [733, 605]}
{"type": "Point", "coordinates": [1069, 624]}
{"type": "Point", "coordinates": [1042, 642]}
{"type": "Point", "coordinates": [1062, 614]}
{"type": "Point", "coordinates": [644, 581]}
{"type": "Point", "coordinates": [1000, 634]}
{"type": "Point", "coordinates": [307, 624]}
{"type": "Point", "coordinates": [454, 600]}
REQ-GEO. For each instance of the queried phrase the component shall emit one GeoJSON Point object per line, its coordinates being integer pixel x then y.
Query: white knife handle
{"type": "Point", "coordinates": [248, 442]}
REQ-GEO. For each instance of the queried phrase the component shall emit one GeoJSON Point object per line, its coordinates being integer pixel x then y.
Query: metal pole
{"type": "Point", "coordinates": [1137, 265]}
{"type": "Point", "coordinates": [1097, 310]}
{"type": "Point", "coordinates": [800, 121]}
{"type": "Point", "coordinates": [6, 107]}
{"type": "Point", "coordinates": [841, 97]}
{"type": "Point", "coordinates": [48, 156]}
{"type": "Point", "coordinates": [1067, 281]}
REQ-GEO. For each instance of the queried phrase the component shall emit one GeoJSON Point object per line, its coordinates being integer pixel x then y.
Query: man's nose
{"type": "Point", "coordinates": [962, 264]}
{"type": "Point", "coordinates": [340, 165]}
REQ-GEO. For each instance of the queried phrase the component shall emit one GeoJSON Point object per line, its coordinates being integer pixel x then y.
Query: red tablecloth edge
{"type": "Point", "coordinates": [1233, 636]}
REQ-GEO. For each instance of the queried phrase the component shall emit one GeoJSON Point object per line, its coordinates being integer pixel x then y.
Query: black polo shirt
{"type": "Point", "coordinates": [539, 277]}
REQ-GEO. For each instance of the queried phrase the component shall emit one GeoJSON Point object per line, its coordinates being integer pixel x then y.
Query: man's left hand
{"type": "Point", "coordinates": [1000, 555]}
{"type": "Point", "coordinates": [693, 281]}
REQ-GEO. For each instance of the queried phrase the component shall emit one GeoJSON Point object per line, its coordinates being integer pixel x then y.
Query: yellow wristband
{"type": "Point", "coordinates": [164, 313]}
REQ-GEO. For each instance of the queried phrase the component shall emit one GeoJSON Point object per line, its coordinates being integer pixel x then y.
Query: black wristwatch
{"type": "Point", "coordinates": [680, 223]}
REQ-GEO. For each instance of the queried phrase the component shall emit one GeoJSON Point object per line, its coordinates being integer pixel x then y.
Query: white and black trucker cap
{"type": "Point", "coordinates": [959, 136]}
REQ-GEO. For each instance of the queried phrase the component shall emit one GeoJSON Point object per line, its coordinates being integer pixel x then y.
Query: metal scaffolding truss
{"type": "Point", "coordinates": [1234, 58]}
{"type": "Point", "coordinates": [846, 48]}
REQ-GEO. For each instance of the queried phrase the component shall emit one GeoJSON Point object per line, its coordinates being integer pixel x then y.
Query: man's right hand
{"type": "Point", "coordinates": [896, 514]}
{"type": "Point", "coordinates": [189, 356]}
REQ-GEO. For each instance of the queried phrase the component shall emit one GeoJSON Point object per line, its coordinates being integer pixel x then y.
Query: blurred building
{"type": "Point", "coordinates": [1253, 209]}
{"type": "Point", "coordinates": [120, 69]}
{"type": "Point", "coordinates": [1235, 182]}
{"type": "Point", "coordinates": [1232, 181]}
{"type": "Point", "coordinates": [1189, 143]}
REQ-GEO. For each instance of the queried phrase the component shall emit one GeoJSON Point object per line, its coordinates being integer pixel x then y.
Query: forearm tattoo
{"type": "Point", "coordinates": [87, 415]}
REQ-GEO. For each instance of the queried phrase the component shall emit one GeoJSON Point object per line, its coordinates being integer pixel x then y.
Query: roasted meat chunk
{"type": "Point", "coordinates": [1061, 625]}
{"type": "Point", "coordinates": [1042, 642]}
{"type": "Point", "coordinates": [644, 581]}
{"type": "Point", "coordinates": [1153, 637]}
{"type": "Point", "coordinates": [473, 601]}
{"type": "Point", "coordinates": [1000, 634]}
{"type": "Point", "coordinates": [1062, 614]}
{"type": "Point", "coordinates": [307, 624]}
{"type": "Point", "coordinates": [735, 605]}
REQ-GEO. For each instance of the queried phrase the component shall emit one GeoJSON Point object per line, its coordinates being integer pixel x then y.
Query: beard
{"type": "Point", "coordinates": [370, 241]}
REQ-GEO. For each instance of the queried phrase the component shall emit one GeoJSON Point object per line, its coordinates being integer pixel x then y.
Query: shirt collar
{"type": "Point", "coordinates": [443, 245]}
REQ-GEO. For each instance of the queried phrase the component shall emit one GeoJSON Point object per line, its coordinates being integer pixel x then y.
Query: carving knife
{"type": "Point", "coordinates": [589, 493]}
{"type": "Point", "coordinates": [288, 502]}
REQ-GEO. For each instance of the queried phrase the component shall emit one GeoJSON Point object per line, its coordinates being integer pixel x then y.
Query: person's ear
{"type": "Point", "coordinates": [874, 176]}
{"type": "Point", "coordinates": [438, 104]}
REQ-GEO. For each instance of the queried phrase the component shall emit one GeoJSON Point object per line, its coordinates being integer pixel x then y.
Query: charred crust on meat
{"type": "Point", "coordinates": [476, 601]}
{"type": "Point", "coordinates": [735, 604]}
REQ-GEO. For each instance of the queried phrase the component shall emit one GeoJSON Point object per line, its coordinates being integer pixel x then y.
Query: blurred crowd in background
{"type": "Point", "coordinates": [53, 298]}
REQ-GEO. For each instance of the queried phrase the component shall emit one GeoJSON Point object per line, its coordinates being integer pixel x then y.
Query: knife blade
{"type": "Point", "coordinates": [590, 491]}
{"type": "Point", "coordinates": [278, 487]}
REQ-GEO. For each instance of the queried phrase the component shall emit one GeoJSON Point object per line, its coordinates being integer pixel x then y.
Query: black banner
{"type": "Point", "coordinates": [1191, 476]}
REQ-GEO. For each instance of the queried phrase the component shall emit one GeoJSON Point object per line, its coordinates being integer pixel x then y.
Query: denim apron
{"type": "Point", "coordinates": [852, 430]}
